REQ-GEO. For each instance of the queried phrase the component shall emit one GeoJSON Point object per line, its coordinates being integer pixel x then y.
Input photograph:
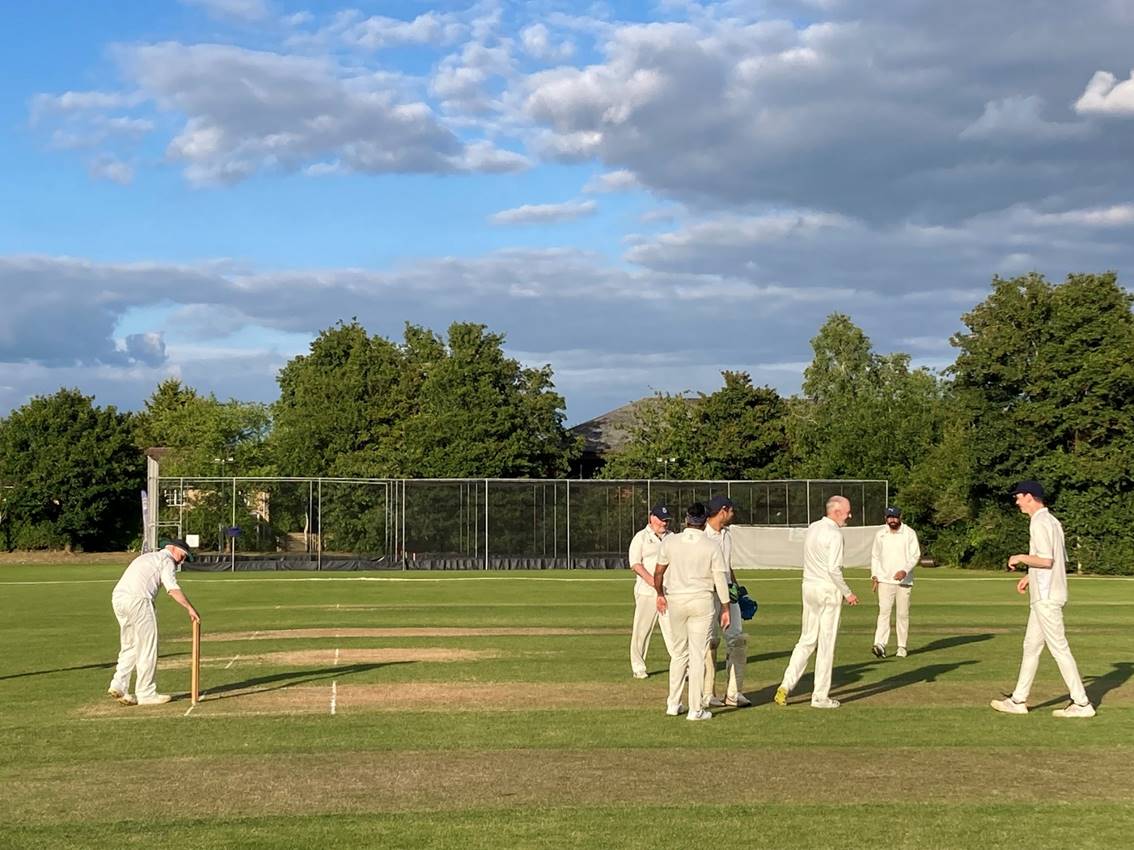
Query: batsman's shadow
{"type": "Point", "coordinates": [290, 679]}
{"type": "Point", "coordinates": [1098, 687]}
{"type": "Point", "coordinates": [104, 665]}
{"type": "Point", "coordinates": [928, 673]}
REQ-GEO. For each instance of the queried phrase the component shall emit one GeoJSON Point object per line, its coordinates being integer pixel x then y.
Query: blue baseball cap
{"type": "Point", "coordinates": [892, 511]}
{"type": "Point", "coordinates": [661, 512]}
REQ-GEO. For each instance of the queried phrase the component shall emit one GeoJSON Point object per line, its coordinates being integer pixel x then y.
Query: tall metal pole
{"type": "Point", "coordinates": [569, 564]}
{"type": "Point", "coordinates": [232, 528]}
{"type": "Point", "coordinates": [486, 523]}
{"type": "Point", "coordinates": [319, 529]}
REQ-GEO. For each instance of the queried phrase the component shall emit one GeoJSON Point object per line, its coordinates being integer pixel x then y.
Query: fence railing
{"type": "Point", "coordinates": [362, 523]}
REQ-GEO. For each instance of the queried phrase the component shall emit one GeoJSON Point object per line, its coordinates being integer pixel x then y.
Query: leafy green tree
{"type": "Point", "coordinates": [360, 405]}
{"type": "Point", "coordinates": [738, 432]}
{"type": "Point", "coordinates": [1044, 382]}
{"type": "Point", "coordinates": [206, 437]}
{"type": "Point", "coordinates": [74, 473]}
{"type": "Point", "coordinates": [864, 415]}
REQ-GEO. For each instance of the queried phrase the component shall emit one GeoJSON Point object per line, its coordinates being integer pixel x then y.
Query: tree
{"type": "Point", "coordinates": [360, 405]}
{"type": "Point", "coordinates": [74, 472]}
{"type": "Point", "coordinates": [864, 415]}
{"type": "Point", "coordinates": [737, 432]}
{"type": "Point", "coordinates": [206, 437]}
{"type": "Point", "coordinates": [1045, 384]}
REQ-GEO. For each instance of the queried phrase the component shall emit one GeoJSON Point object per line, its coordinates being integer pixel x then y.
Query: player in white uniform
{"type": "Point", "coordinates": [823, 591]}
{"type": "Point", "coordinates": [133, 603]}
{"type": "Point", "coordinates": [893, 557]}
{"type": "Point", "coordinates": [1046, 584]}
{"type": "Point", "coordinates": [722, 511]}
{"type": "Point", "coordinates": [690, 572]}
{"type": "Point", "coordinates": [644, 549]}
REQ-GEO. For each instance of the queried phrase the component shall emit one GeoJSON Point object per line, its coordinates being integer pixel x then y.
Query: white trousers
{"type": "Point", "coordinates": [645, 616]}
{"type": "Point", "coordinates": [138, 644]}
{"type": "Point", "coordinates": [736, 657]}
{"type": "Point", "coordinates": [888, 594]}
{"type": "Point", "coordinates": [690, 618]}
{"type": "Point", "coordinates": [1045, 627]}
{"type": "Point", "coordinates": [822, 606]}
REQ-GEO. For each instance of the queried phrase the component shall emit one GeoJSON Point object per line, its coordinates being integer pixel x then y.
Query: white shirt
{"type": "Point", "coordinates": [694, 564]}
{"type": "Point", "coordinates": [893, 551]}
{"type": "Point", "coordinates": [146, 574]}
{"type": "Point", "coordinates": [823, 555]}
{"type": "Point", "coordinates": [644, 548]}
{"type": "Point", "coordinates": [1045, 534]}
{"type": "Point", "coordinates": [722, 538]}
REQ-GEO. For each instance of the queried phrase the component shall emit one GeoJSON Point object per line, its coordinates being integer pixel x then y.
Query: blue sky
{"type": "Point", "coordinates": [639, 194]}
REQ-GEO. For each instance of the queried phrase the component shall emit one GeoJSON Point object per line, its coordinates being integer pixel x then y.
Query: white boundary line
{"type": "Point", "coordinates": [186, 714]}
{"type": "Point", "coordinates": [334, 695]}
{"type": "Point", "coordinates": [233, 661]}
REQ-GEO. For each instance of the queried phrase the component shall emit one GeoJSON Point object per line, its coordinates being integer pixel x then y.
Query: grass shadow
{"type": "Point", "coordinates": [929, 673]}
{"type": "Point", "coordinates": [288, 679]}
{"type": "Point", "coordinates": [102, 665]}
{"type": "Point", "coordinates": [950, 642]}
{"type": "Point", "coordinates": [1097, 687]}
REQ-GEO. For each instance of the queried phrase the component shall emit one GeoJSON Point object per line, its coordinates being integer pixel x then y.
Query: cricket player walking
{"type": "Point", "coordinates": [893, 557]}
{"type": "Point", "coordinates": [823, 585]}
{"type": "Point", "coordinates": [1046, 584]}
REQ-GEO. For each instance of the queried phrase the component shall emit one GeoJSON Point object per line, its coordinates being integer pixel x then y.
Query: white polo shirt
{"type": "Point", "coordinates": [644, 548]}
{"type": "Point", "coordinates": [146, 574]}
{"type": "Point", "coordinates": [823, 555]}
{"type": "Point", "coordinates": [694, 564]}
{"type": "Point", "coordinates": [893, 551]}
{"type": "Point", "coordinates": [1045, 535]}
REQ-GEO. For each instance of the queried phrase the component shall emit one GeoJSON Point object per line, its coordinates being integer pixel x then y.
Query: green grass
{"type": "Point", "coordinates": [498, 749]}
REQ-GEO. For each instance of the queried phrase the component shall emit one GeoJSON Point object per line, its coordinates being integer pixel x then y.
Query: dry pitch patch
{"type": "Point", "coordinates": [415, 780]}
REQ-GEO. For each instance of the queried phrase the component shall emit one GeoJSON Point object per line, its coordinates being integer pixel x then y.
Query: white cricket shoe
{"type": "Point", "coordinates": [1009, 706]}
{"type": "Point", "coordinates": [156, 699]}
{"type": "Point", "coordinates": [641, 674]}
{"type": "Point", "coordinates": [675, 710]}
{"type": "Point", "coordinates": [699, 715]}
{"type": "Point", "coordinates": [121, 696]}
{"type": "Point", "coordinates": [1075, 710]}
{"type": "Point", "coordinates": [738, 701]}
{"type": "Point", "coordinates": [713, 701]}
{"type": "Point", "coordinates": [879, 650]}
{"type": "Point", "coordinates": [901, 653]}
{"type": "Point", "coordinates": [825, 703]}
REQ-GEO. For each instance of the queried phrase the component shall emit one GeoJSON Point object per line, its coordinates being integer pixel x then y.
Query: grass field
{"type": "Point", "coordinates": [495, 710]}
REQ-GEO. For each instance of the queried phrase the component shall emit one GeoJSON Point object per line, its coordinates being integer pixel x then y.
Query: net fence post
{"type": "Point", "coordinates": [570, 566]}
{"type": "Point", "coordinates": [232, 528]}
{"type": "Point", "coordinates": [319, 528]}
{"type": "Point", "coordinates": [486, 523]}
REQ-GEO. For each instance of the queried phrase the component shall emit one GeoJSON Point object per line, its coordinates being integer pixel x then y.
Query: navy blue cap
{"type": "Point", "coordinates": [696, 514]}
{"type": "Point", "coordinates": [718, 503]}
{"type": "Point", "coordinates": [892, 511]}
{"type": "Point", "coordinates": [661, 512]}
{"type": "Point", "coordinates": [1032, 488]}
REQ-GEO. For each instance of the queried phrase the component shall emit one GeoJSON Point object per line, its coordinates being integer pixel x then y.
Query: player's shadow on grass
{"type": "Point", "coordinates": [928, 673]}
{"type": "Point", "coordinates": [1098, 687]}
{"type": "Point", "coordinates": [290, 678]}
{"type": "Point", "coordinates": [103, 665]}
{"type": "Point", "coordinates": [949, 642]}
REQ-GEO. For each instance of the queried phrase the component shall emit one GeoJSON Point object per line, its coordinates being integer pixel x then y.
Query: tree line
{"type": "Point", "coordinates": [1041, 387]}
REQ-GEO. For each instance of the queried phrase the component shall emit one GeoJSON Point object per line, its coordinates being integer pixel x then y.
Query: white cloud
{"type": "Point", "coordinates": [286, 112]}
{"type": "Point", "coordinates": [240, 10]}
{"type": "Point", "coordinates": [377, 32]}
{"type": "Point", "coordinates": [612, 181]}
{"type": "Point", "coordinates": [544, 213]}
{"type": "Point", "coordinates": [1104, 95]}
{"type": "Point", "coordinates": [108, 168]}
{"type": "Point", "coordinates": [537, 43]}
